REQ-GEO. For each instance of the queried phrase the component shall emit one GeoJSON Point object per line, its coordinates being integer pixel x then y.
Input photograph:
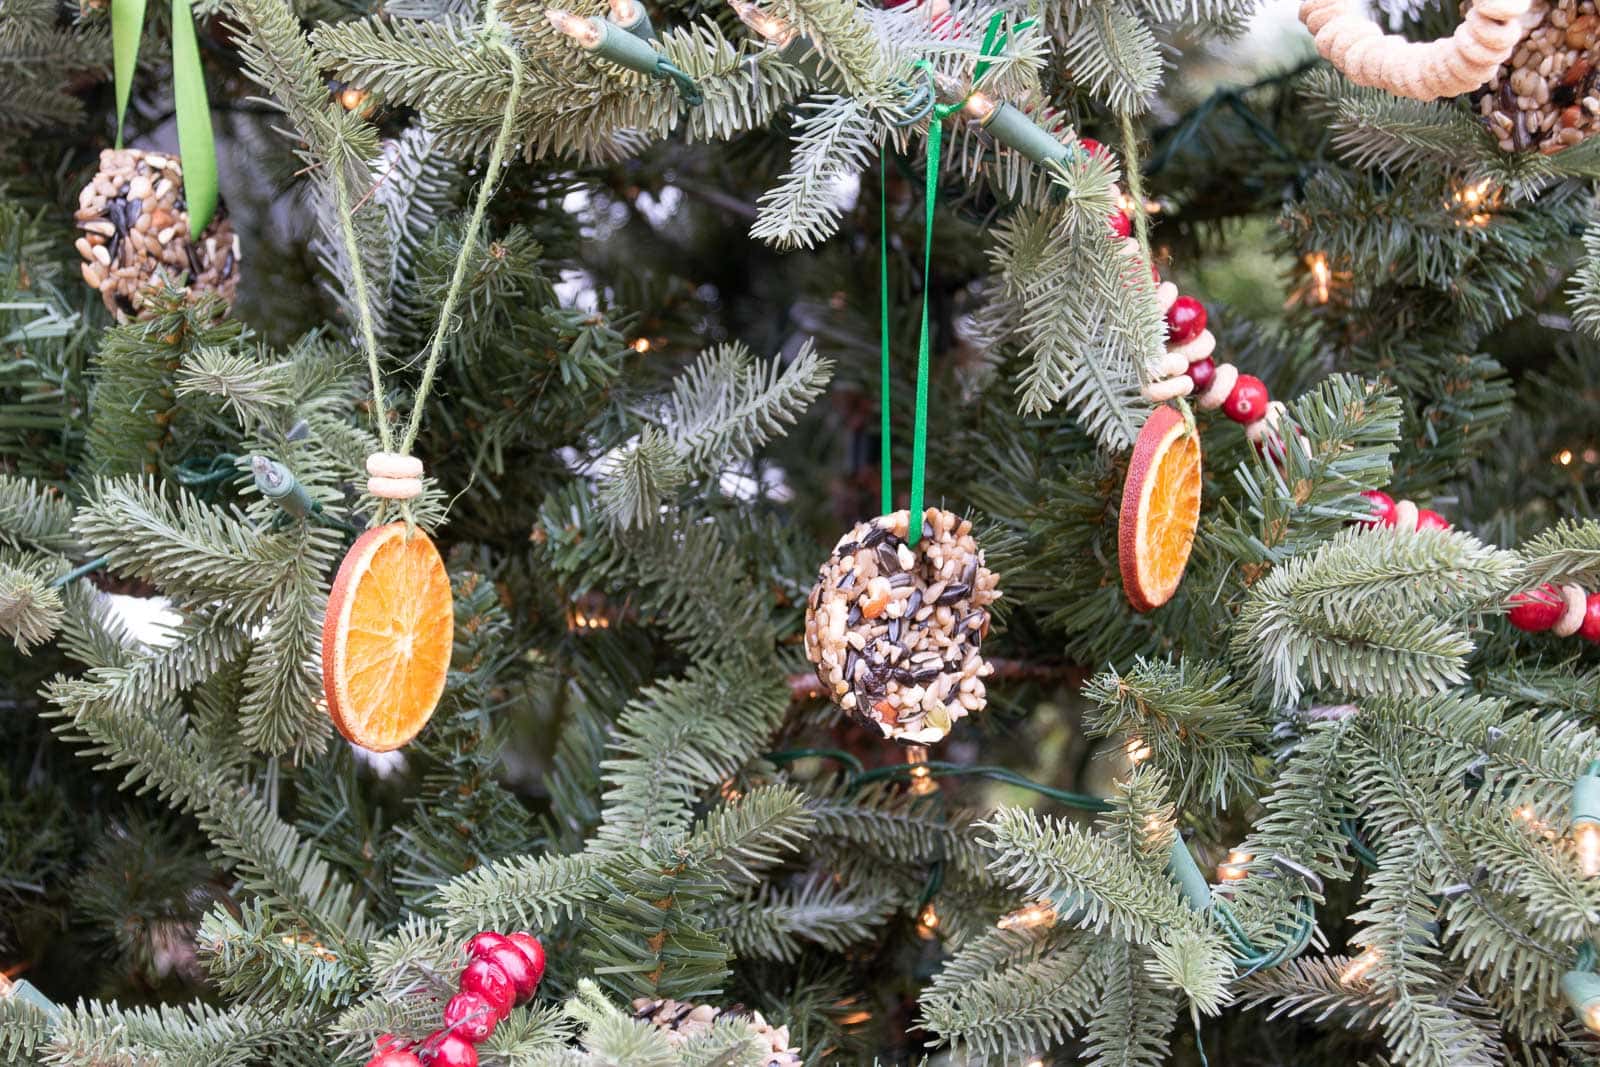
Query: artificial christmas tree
{"type": "Point", "coordinates": [1285, 754]}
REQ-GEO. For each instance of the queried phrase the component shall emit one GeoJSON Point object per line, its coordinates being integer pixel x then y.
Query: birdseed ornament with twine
{"type": "Point", "coordinates": [136, 236]}
{"type": "Point", "coordinates": [387, 635]}
{"type": "Point", "coordinates": [683, 1022]}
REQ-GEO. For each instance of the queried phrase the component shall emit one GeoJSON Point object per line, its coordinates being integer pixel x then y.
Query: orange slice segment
{"type": "Point", "coordinates": [1160, 509]}
{"type": "Point", "coordinates": [387, 637]}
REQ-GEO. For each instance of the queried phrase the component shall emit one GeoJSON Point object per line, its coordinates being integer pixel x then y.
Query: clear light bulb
{"type": "Point", "coordinates": [978, 107]}
{"type": "Point", "coordinates": [625, 12]}
{"type": "Point", "coordinates": [1136, 750]}
{"type": "Point", "coordinates": [1591, 1017]}
{"type": "Point", "coordinates": [1039, 913]}
{"type": "Point", "coordinates": [1586, 837]}
{"type": "Point", "coordinates": [769, 27]}
{"type": "Point", "coordinates": [1233, 868]}
{"type": "Point", "coordinates": [1359, 968]}
{"type": "Point", "coordinates": [580, 29]}
{"type": "Point", "coordinates": [928, 922]}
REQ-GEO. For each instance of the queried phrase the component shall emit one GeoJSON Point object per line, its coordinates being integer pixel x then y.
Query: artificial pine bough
{"type": "Point", "coordinates": [513, 290]}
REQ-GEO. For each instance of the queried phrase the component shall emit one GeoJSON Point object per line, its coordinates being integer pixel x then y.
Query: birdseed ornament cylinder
{"type": "Point", "coordinates": [1545, 97]}
{"type": "Point", "coordinates": [893, 629]}
{"type": "Point", "coordinates": [135, 235]}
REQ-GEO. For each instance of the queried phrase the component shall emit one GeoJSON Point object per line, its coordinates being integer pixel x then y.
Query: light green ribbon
{"type": "Point", "coordinates": [196, 146]}
{"type": "Point", "coordinates": [994, 43]}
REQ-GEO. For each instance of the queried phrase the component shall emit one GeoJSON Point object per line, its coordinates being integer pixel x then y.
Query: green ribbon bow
{"type": "Point", "coordinates": [196, 147]}
{"type": "Point", "coordinates": [995, 39]}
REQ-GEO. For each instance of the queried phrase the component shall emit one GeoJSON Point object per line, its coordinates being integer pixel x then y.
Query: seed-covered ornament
{"type": "Point", "coordinates": [1545, 97]}
{"type": "Point", "coordinates": [136, 235]}
{"type": "Point", "coordinates": [682, 1022]}
{"type": "Point", "coordinates": [893, 629]}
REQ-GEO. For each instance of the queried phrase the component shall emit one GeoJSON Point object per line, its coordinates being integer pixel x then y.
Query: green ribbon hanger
{"type": "Point", "coordinates": [994, 43]}
{"type": "Point", "coordinates": [196, 146]}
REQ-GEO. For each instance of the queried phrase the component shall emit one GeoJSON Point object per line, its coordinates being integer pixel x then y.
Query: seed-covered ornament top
{"type": "Point", "coordinates": [136, 235]}
{"type": "Point", "coordinates": [1545, 97]}
{"type": "Point", "coordinates": [683, 1022]}
{"type": "Point", "coordinates": [893, 629]}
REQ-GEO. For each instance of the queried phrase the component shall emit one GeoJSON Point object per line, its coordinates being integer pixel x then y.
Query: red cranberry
{"type": "Point", "coordinates": [1382, 507]}
{"type": "Point", "coordinates": [1185, 319]}
{"type": "Point", "coordinates": [1590, 630]}
{"type": "Point", "coordinates": [1201, 371]}
{"type": "Point", "coordinates": [1537, 609]}
{"type": "Point", "coordinates": [1121, 224]}
{"type": "Point", "coordinates": [469, 1015]}
{"type": "Point", "coordinates": [486, 978]}
{"type": "Point", "coordinates": [1428, 519]}
{"type": "Point", "coordinates": [509, 958]}
{"type": "Point", "coordinates": [452, 1051]}
{"type": "Point", "coordinates": [395, 1057]}
{"type": "Point", "coordinates": [483, 943]}
{"type": "Point", "coordinates": [532, 949]}
{"type": "Point", "coordinates": [1248, 400]}
{"type": "Point", "coordinates": [1091, 146]}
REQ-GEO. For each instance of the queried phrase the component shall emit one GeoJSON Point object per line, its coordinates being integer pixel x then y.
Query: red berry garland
{"type": "Point", "coordinates": [1188, 367]}
{"type": "Point", "coordinates": [502, 970]}
{"type": "Point", "coordinates": [1563, 610]}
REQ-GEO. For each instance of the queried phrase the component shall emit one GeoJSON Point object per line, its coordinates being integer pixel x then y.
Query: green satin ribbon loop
{"type": "Point", "coordinates": [127, 24]}
{"type": "Point", "coordinates": [995, 39]}
{"type": "Point", "coordinates": [196, 146]}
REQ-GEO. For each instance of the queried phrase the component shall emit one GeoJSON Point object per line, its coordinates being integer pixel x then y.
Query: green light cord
{"type": "Point", "coordinates": [793, 754]}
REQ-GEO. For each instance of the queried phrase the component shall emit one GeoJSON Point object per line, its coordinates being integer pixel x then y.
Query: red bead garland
{"type": "Point", "coordinates": [1565, 610]}
{"type": "Point", "coordinates": [502, 971]}
{"type": "Point", "coordinates": [1185, 319]}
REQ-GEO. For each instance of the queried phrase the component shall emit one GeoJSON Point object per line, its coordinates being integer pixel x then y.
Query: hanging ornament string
{"type": "Point", "coordinates": [994, 43]}
{"type": "Point", "coordinates": [196, 147]}
{"type": "Point", "coordinates": [394, 474]}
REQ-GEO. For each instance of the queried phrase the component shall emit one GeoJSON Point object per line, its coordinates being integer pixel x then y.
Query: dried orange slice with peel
{"type": "Point", "coordinates": [1160, 508]}
{"type": "Point", "coordinates": [387, 637]}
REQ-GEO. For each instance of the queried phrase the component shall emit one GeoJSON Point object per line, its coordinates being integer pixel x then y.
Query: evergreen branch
{"type": "Point", "coordinates": [742, 838]}
{"type": "Point", "coordinates": [1007, 994]}
{"type": "Point", "coordinates": [678, 738]}
{"type": "Point", "coordinates": [521, 891]}
{"type": "Point", "coordinates": [35, 515]}
{"type": "Point", "coordinates": [1568, 551]}
{"type": "Point", "coordinates": [1133, 1013]}
{"type": "Point", "coordinates": [1200, 726]}
{"type": "Point", "coordinates": [1104, 890]}
{"type": "Point", "coordinates": [833, 142]}
{"type": "Point", "coordinates": [1370, 612]}
{"type": "Point", "coordinates": [776, 924]}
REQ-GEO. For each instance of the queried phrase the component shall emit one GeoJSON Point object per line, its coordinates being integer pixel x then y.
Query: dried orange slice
{"type": "Point", "coordinates": [387, 637]}
{"type": "Point", "coordinates": [1160, 509]}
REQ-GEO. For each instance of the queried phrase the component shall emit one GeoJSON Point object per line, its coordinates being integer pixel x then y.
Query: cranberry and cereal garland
{"type": "Point", "coordinates": [893, 629]}
{"type": "Point", "coordinates": [1565, 610]}
{"type": "Point", "coordinates": [136, 236]}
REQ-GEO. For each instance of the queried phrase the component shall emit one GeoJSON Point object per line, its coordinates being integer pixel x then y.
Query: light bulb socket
{"type": "Point", "coordinates": [1012, 127]}
{"type": "Point", "coordinates": [21, 990]}
{"type": "Point", "coordinates": [1582, 991]}
{"type": "Point", "coordinates": [623, 48]}
{"type": "Point", "coordinates": [639, 26]}
{"type": "Point", "coordinates": [279, 485]}
{"type": "Point", "coordinates": [1586, 796]}
{"type": "Point", "coordinates": [1183, 870]}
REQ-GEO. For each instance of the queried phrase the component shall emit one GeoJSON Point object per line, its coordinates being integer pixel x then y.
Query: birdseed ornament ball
{"type": "Point", "coordinates": [136, 235]}
{"type": "Point", "coordinates": [893, 629]}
